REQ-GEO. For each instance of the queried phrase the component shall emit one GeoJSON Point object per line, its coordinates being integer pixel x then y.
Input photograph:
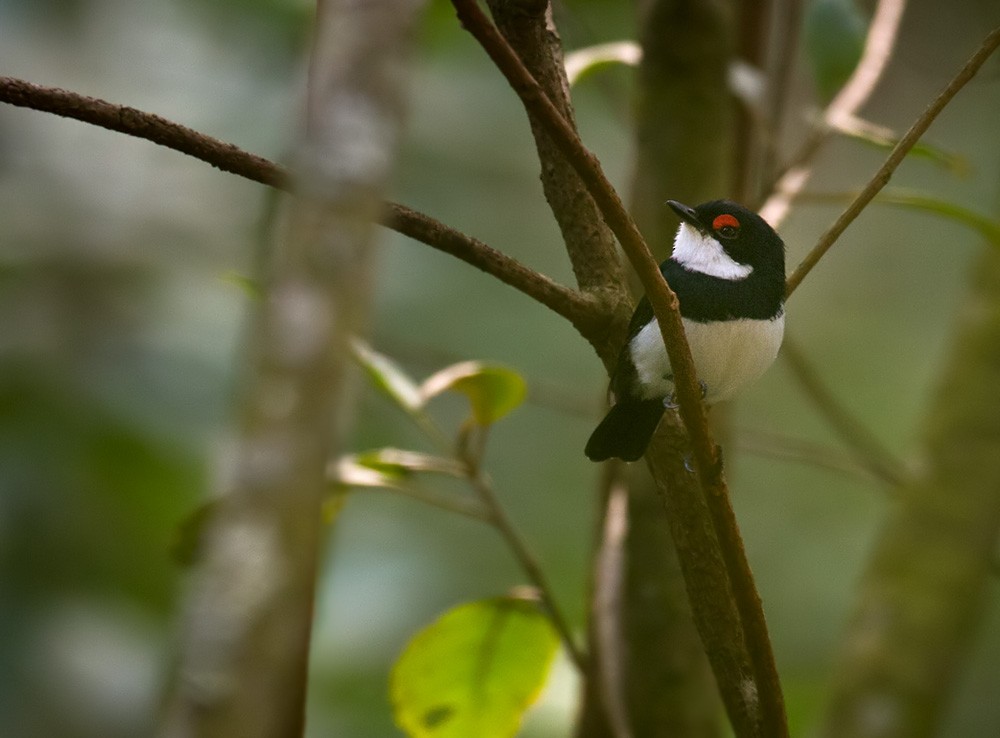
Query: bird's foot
{"type": "Point", "coordinates": [670, 401]}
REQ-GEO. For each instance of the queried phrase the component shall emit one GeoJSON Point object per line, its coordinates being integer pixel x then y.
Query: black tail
{"type": "Point", "coordinates": [625, 431]}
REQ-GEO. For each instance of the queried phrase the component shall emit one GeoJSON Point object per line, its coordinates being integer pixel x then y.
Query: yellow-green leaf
{"type": "Point", "coordinates": [250, 286]}
{"type": "Point", "coordinates": [492, 390]}
{"type": "Point", "coordinates": [474, 671]}
{"type": "Point", "coordinates": [399, 463]}
{"type": "Point", "coordinates": [388, 377]}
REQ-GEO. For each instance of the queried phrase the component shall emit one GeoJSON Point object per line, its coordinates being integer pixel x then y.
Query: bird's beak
{"type": "Point", "coordinates": [687, 214]}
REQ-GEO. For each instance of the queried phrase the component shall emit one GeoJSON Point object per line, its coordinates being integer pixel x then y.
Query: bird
{"type": "Point", "coordinates": [728, 272]}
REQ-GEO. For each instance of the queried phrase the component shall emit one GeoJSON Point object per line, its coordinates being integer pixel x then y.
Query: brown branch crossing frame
{"type": "Point", "coordinates": [895, 158]}
{"type": "Point", "coordinates": [580, 309]}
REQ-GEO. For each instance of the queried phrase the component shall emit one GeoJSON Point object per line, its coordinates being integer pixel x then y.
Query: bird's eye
{"type": "Point", "coordinates": [726, 225]}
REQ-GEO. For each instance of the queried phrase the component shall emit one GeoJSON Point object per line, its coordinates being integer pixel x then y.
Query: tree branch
{"type": "Point", "coordinates": [683, 131]}
{"type": "Point", "coordinates": [498, 518]}
{"type": "Point", "coordinates": [721, 518]}
{"type": "Point", "coordinates": [895, 158]}
{"type": "Point", "coordinates": [581, 310]}
{"type": "Point", "coordinates": [123, 119]}
{"type": "Point", "coordinates": [879, 42]}
{"type": "Point", "coordinates": [590, 245]}
{"type": "Point", "coordinates": [864, 447]}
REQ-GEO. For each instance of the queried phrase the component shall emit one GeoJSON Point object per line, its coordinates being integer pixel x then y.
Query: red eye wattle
{"type": "Point", "coordinates": [725, 220]}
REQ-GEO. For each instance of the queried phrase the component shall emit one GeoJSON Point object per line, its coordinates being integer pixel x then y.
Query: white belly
{"type": "Point", "coordinates": [727, 355]}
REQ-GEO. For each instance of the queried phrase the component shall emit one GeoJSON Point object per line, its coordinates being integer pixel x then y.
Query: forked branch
{"type": "Point", "coordinates": [770, 720]}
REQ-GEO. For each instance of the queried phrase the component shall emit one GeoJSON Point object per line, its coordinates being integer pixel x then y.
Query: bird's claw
{"type": "Point", "coordinates": [670, 401]}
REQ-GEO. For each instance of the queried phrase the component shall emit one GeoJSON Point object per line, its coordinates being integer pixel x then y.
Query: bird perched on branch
{"type": "Point", "coordinates": [728, 271]}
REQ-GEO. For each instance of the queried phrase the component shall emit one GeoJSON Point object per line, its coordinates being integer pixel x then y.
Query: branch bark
{"type": "Point", "coordinates": [248, 613]}
{"type": "Point", "coordinates": [528, 27]}
{"type": "Point", "coordinates": [683, 149]}
{"type": "Point", "coordinates": [580, 309]}
{"type": "Point", "coordinates": [763, 696]}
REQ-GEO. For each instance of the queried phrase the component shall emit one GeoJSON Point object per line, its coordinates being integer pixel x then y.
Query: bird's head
{"type": "Point", "coordinates": [726, 240]}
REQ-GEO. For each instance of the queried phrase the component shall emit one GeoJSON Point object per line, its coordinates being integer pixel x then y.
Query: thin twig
{"type": "Point", "coordinates": [531, 567]}
{"type": "Point", "coordinates": [447, 503]}
{"type": "Point", "coordinates": [665, 307]}
{"type": "Point", "coordinates": [882, 176]}
{"type": "Point", "coordinates": [864, 446]}
{"type": "Point", "coordinates": [498, 518]}
{"type": "Point", "coordinates": [882, 34]}
{"type": "Point", "coordinates": [797, 450]}
{"type": "Point", "coordinates": [576, 307]}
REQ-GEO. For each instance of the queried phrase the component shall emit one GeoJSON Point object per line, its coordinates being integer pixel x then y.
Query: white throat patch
{"type": "Point", "coordinates": [700, 253]}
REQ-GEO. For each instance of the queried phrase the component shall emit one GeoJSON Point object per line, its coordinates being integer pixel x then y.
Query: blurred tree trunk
{"type": "Point", "coordinates": [684, 123]}
{"type": "Point", "coordinates": [248, 615]}
{"type": "Point", "coordinates": [924, 590]}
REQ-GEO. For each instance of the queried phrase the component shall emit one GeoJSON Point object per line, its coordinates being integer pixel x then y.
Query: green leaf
{"type": "Point", "coordinates": [834, 39]}
{"type": "Point", "coordinates": [474, 671]}
{"type": "Point", "coordinates": [398, 464]}
{"type": "Point", "coordinates": [347, 471]}
{"type": "Point", "coordinates": [492, 390]}
{"type": "Point", "coordinates": [886, 139]}
{"type": "Point", "coordinates": [250, 286]}
{"type": "Point", "coordinates": [987, 227]}
{"type": "Point", "coordinates": [185, 546]}
{"type": "Point", "coordinates": [583, 61]}
{"type": "Point", "coordinates": [388, 377]}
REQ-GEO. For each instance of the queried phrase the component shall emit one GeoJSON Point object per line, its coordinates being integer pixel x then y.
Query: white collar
{"type": "Point", "coordinates": [698, 252]}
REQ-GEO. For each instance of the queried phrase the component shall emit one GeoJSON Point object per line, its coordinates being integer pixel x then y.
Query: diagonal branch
{"type": "Point", "coordinates": [138, 123]}
{"type": "Point", "coordinates": [581, 310]}
{"type": "Point", "coordinates": [528, 27]}
{"type": "Point", "coordinates": [662, 298]}
{"type": "Point", "coordinates": [879, 42]}
{"type": "Point", "coordinates": [770, 702]}
{"type": "Point", "coordinates": [895, 158]}
{"type": "Point", "coordinates": [867, 450]}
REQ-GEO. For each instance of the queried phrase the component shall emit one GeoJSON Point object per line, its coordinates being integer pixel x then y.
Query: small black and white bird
{"type": "Point", "coordinates": [728, 271]}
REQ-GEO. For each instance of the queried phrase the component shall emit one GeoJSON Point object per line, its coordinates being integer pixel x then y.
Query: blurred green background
{"type": "Point", "coordinates": [120, 343]}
